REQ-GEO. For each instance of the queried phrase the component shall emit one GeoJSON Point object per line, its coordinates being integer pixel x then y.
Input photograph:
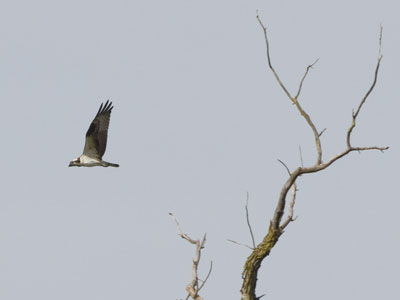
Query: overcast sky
{"type": "Point", "coordinates": [198, 121]}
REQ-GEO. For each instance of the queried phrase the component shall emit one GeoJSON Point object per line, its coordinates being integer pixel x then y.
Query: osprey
{"type": "Point", "coordinates": [96, 140]}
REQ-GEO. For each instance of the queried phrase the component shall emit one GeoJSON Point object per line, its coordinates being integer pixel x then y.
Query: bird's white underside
{"type": "Point", "coordinates": [84, 159]}
{"type": "Point", "coordinates": [87, 161]}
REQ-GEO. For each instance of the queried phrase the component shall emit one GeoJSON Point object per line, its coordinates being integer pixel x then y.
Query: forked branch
{"type": "Point", "coordinates": [294, 100]}
{"type": "Point", "coordinates": [248, 225]}
{"type": "Point", "coordinates": [304, 77]}
{"type": "Point", "coordinates": [355, 115]}
{"type": "Point", "coordinates": [277, 225]}
{"type": "Point", "coordinates": [193, 287]}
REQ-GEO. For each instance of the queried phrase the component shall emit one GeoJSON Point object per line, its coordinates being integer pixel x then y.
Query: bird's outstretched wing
{"type": "Point", "coordinates": [96, 136]}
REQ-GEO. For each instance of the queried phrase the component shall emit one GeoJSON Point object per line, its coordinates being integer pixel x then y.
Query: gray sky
{"type": "Point", "coordinates": [198, 121]}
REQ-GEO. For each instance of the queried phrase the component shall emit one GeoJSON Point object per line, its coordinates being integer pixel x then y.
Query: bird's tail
{"type": "Point", "coordinates": [108, 164]}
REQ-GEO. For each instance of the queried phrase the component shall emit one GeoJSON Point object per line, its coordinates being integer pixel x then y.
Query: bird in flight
{"type": "Point", "coordinates": [96, 140]}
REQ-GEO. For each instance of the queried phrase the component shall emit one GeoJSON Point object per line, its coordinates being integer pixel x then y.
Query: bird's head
{"type": "Point", "coordinates": [75, 163]}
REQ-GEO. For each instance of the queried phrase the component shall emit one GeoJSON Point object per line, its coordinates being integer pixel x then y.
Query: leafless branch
{"type": "Point", "coordinates": [205, 280]}
{"type": "Point", "coordinates": [301, 156]}
{"type": "Point", "coordinates": [291, 208]}
{"type": "Point", "coordinates": [304, 77]}
{"type": "Point", "coordinates": [193, 287]}
{"type": "Point", "coordinates": [276, 220]}
{"type": "Point", "coordinates": [240, 244]}
{"type": "Point", "coordinates": [321, 133]}
{"type": "Point", "coordinates": [354, 115]}
{"type": "Point", "coordinates": [293, 200]}
{"type": "Point", "coordinates": [180, 232]}
{"type": "Point", "coordinates": [294, 100]}
{"type": "Point", "coordinates": [319, 164]}
{"type": "Point", "coordinates": [277, 225]}
{"type": "Point", "coordinates": [269, 60]}
{"type": "Point", "coordinates": [248, 225]}
{"type": "Point", "coordinates": [286, 167]}
{"type": "Point", "coordinates": [248, 221]}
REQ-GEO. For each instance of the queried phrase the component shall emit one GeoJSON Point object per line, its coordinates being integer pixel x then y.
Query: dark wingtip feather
{"type": "Point", "coordinates": [106, 108]}
{"type": "Point", "coordinates": [101, 107]}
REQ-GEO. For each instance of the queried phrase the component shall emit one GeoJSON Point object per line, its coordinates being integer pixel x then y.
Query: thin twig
{"type": "Point", "coordinates": [323, 130]}
{"type": "Point", "coordinates": [291, 208]}
{"type": "Point", "coordinates": [269, 60]}
{"type": "Point", "coordinates": [295, 100]}
{"type": "Point", "coordinates": [286, 167]}
{"type": "Point", "coordinates": [180, 232]}
{"type": "Point", "coordinates": [354, 115]}
{"type": "Point", "coordinates": [240, 244]}
{"type": "Point", "coordinates": [304, 77]}
{"type": "Point", "coordinates": [248, 221]}
{"type": "Point", "coordinates": [205, 280]}
{"type": "Point", "coordinates": [301, 156]}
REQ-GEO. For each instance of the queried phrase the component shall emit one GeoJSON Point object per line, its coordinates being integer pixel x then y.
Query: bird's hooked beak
{"type": "Point", "coordinates": [74, 163]}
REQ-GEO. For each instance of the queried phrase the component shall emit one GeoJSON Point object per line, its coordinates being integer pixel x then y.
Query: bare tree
{"type": "Point", "coordinates": [278, 224]}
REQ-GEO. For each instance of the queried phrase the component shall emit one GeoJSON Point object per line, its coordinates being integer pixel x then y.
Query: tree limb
{"type": "Point", "coordinates": [249, 226]}
{"type": "Point", "coordinates": [193, 287]}
{"type": "Point", "coordinates": [355, 115]}
{"type": "Point", "coordinates": [205, 280]}
{"type": "Point", "coordinates": [290, 218]}
{"type": "Point", "coordinates": [304, 77]}
{"type": "Point", "coordinates": [277, 226]}
{"type": "Point", "coordinates": [240, 244]}
{"type": "Point", "coordinates": [248, 221]}
{"type": "Point", "coordinates": [294, 99]}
